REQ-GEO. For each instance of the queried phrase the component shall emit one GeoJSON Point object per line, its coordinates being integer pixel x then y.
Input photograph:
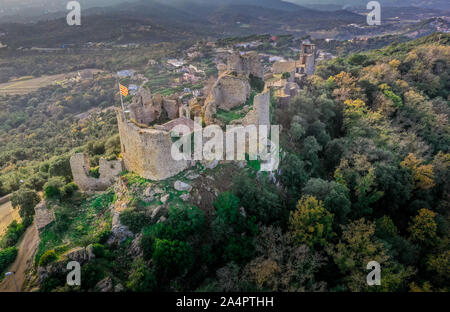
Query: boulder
{"type": "Point", "coordinates": [165, 198]}
{"type": "Point", "coordinates": [105, 285]}
{"type": "Point", "coordinates": [119, 232]}
{"type": "Point", "coordinates": [182, 186]}
{"type": "Point", "coordinates": [118, 288]}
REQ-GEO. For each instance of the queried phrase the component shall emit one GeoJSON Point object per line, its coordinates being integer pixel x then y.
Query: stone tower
{"type": "Point", "coordinates": [308, 57]}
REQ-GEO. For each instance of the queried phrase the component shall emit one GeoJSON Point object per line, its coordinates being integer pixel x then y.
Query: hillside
{"type": "Point", "coordinates": [364, 176]}
{"type": "Point", "coordinates": [172, 21]}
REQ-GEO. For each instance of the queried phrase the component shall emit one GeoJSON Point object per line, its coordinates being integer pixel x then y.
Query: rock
{"type": "Point", "coordinates": [192, 176]}
{"type": "Point", "coordinates": [78, 254]}
{"type": "Point", "coordinates": [184, 197]}
{"type": "Point", "coordinates": [119, 288]}
{"type": "Point", "coordinates": [119, 232]}
{"type": "Point", "coordinates": [210, 164]}
{"type": "Point", "coordinates": [182, 186]}
{"type": "Point", "coordinates": [135, 247]}
{"type": "Point", "coordinates": [149, 192]}
{"type": "Point", "coordinates": [156, 212]}
{"type": "Point", "coordinates": [105, 285]}
{"type": "Point", "coordinates": [162, 219]}
{"type": "Point", "coordinates": [165, 198]}
{"type": "Point", "coordinates": [90, 252]}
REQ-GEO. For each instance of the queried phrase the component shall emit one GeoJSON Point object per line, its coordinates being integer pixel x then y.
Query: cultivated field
{"type": "Point", "coordinates": [26, 85]}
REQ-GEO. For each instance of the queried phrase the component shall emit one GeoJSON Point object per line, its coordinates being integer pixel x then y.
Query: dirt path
{"type": "Point", "coordinates": [7, 215]}
{"type": "Point", "coordinates": [24, 260]}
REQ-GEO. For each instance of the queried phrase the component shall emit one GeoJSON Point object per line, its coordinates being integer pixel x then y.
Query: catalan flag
{"type": "Point", "coordinates": [123, 90]}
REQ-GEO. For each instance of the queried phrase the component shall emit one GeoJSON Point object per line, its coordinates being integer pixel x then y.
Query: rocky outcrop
{"type": "Point", "coordinates": [80, 254]}
{"type": "Point", "coordinates": [105, 285]}
{"type": "Point", "coordinates": [182, 186]}
{"type": "Point", "coordinates": [43, 215]}
{"type": "Point", "coordinates": [119, 232]}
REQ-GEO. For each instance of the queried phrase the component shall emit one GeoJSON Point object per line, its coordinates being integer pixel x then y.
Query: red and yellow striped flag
{"type": "Point", "coordinates": [123, 90]}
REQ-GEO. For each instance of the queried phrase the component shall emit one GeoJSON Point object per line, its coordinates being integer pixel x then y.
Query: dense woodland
{"type": "Point", "coordinates": [364, 176]}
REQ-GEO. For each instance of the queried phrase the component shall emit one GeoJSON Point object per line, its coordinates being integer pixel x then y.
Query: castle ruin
{"type": "Point", "coordinates": [108, 169]}
{"type": "Point", "coordinates": [147, 124]}
{"type": "Point", "coordinates": [305, 66]}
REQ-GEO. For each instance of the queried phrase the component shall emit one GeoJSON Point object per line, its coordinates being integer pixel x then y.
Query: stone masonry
{"type": "Point", "coordinates": [108, 169]}
{"type": "Point", "coordinates": [147, 151]}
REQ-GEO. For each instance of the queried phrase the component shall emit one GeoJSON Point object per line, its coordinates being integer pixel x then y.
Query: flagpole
{"type": "Point", "coordinates": [121, 100]}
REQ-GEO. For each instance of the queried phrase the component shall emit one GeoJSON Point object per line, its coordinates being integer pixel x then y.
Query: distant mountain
{"type": "Point", "coordinates": [176, 20]}
{"type": "Point", "coordinates": [433, 4]}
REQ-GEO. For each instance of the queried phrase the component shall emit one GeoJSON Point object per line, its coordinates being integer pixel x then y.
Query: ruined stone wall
{"type": "Point", "coordinates": [284, 67]}
{"type": "Point", "coordinates": [308, 58]}
{"type": "Point", "coordinates": [147, 108]}
{"type": "Point", "coordinates": [310, 65]}
{"type": "Point", "coordinates": [260, 115]}
{"type": "Point", "coordinates": [43, 215]}
{"type": "Point", "coordinates": [246, 64]}
{"type": "Point", "coordinates": [147, 152]}
{"type": "Point", "coordinates": [228, 92]}
{"type": "Point", "coordinates": [109, 170]}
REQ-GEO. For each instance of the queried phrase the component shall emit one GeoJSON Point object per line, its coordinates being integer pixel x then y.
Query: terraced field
{"type": "Point", "coordinates": [26, 85]}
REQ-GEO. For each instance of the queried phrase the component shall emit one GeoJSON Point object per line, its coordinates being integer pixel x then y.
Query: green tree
{"type": "Point", "coordinates": [357, 247]}
{"type": "Point", "coordinates": [311, 223]}
{"type": "Point", "coordinates": [172, 256]}
{"type": "Point", "coordinates": [335, 197]}
{"type": "Point", "coordinates": [53, 188]}
{"type": "Point", "coordinates": [423, 228]}
{"type": "Point", "coordinates": [60, 167]}
{"type": "Point", "coordinates": [26, 200]}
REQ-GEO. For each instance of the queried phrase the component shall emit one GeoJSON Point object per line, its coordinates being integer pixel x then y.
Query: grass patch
{"type": "Point", "coordinates": [77, 225]}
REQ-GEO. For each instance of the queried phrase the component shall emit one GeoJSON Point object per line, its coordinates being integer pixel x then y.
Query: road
{"type": "Point", "coordinates": [24, 260]}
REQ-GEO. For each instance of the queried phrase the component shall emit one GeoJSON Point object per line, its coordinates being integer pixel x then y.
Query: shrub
{"type": "Point", "coordinates": [48, 257]}
{"type": "Point", "coordinates": [14, 232]}
{"type": "Point", "coordinates": [69, 189]}
{"type": "Point", "coordinates": [99, 250]}
{"type": "Point", "coordinates": [286, 75]}
{"type": "Point", "coordinates": [141, 278]}
{"type": "Point", "coordinates": [7, 256]}
{"type": "Point", "coordinates": [134, 220]}
{"type": "Point", "coordinates": [53, 188]}
{"type": "Point", "coordinates": [103, 236]}
{"type": "Point", "coordinates": [172, 257]}
{"type": "Point", "coordinates": [26, 199]}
